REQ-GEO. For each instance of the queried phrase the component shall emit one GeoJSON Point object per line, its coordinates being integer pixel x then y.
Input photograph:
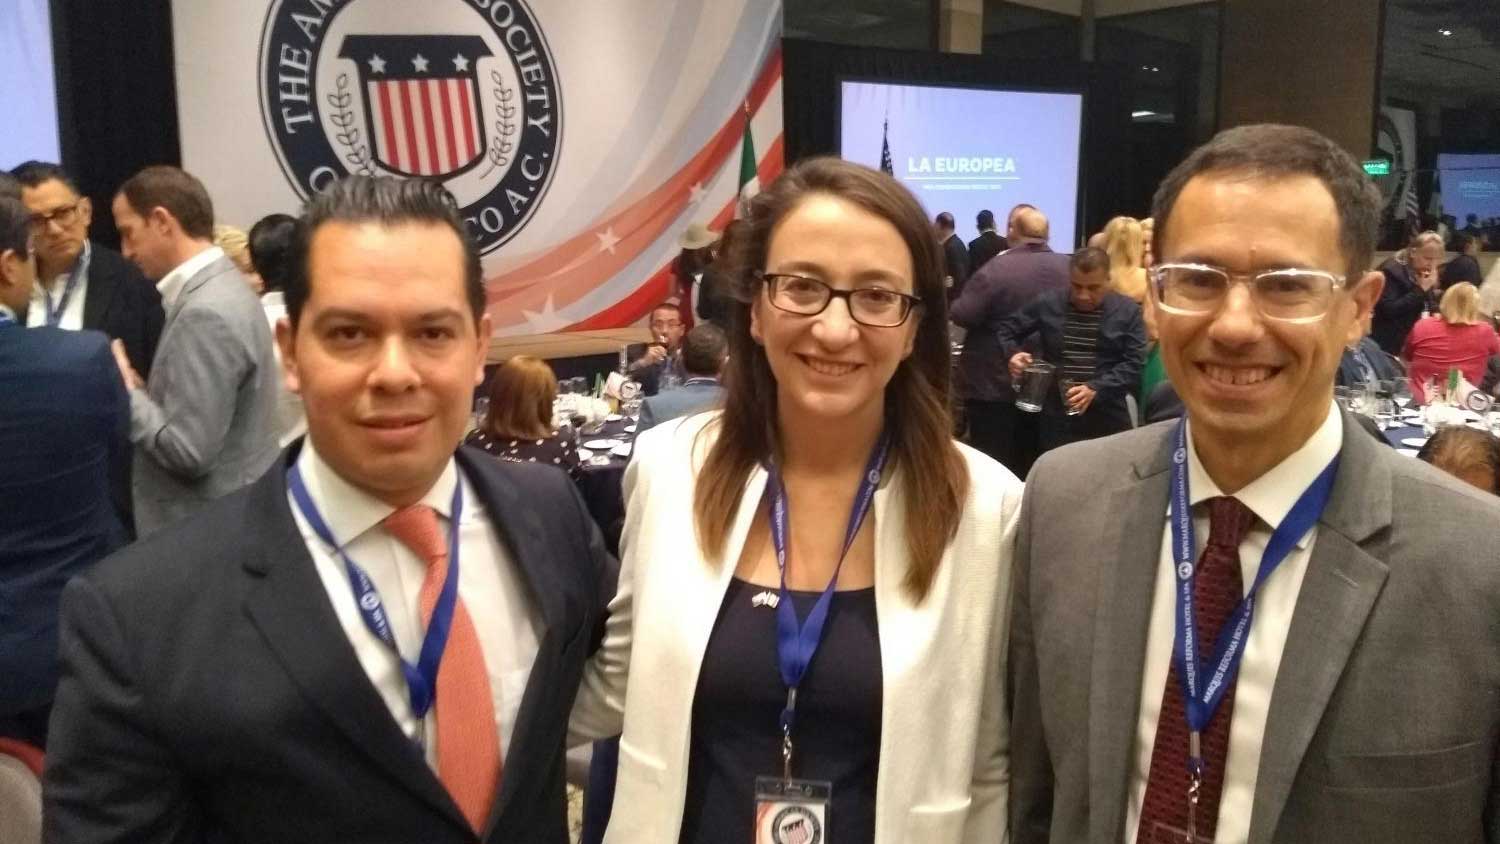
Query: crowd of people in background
{"type": "Point", "coordinates": [232, 604]}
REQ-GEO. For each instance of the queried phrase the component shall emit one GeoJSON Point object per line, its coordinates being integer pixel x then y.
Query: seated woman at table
{"type": "Point", "coordinates": [829, 501]}
{"type": "Point", "coordinates": [518, 426]}
{"type": "Point", "coordinates": [1469, 454]}
{"type": "Point", "coordinates": [1457, 337]}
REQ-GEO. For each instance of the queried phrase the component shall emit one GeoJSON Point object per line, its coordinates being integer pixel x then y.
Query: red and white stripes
{"type": "Point", "coordinates": [425, 127]}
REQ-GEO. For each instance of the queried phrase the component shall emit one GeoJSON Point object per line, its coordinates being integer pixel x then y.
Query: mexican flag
{"type": "Point", "coordinates": [749, 181]}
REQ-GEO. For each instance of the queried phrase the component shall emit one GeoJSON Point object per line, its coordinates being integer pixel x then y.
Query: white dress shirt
{"type": "Point", "coordinates": [291, 420]}
{"type": "Point", "coordinates": [492, 589]}
{"type": "Point", "coordinates": [1270, 497]}
{"type": "Point", "coordinates": [72, 312]}
{"type": "Point", "coordinates": [172, 283]}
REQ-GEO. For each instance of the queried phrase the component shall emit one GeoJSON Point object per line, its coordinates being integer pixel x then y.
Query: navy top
{"type": "Point", "coordinates": [736, 736]}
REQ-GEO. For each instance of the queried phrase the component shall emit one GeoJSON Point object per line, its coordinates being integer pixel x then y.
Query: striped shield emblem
{"type": "Point", "coordinates": [422, 100]}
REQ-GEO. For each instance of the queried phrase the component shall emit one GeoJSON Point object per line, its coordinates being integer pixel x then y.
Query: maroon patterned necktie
{"type": "Point", "coordinates": [1217, 590]}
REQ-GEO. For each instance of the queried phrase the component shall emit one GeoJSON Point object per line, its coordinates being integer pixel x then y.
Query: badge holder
{"type": "Point", "coordinates": [1162, 833]}
{"type": "Point", "coordinates": [787, 810]}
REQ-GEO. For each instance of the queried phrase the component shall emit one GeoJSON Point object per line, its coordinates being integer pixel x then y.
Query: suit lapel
{"type": "Point", "coordinates": [1136, 513]}
{"type": "Point", "coordinates": [99, 295]}
{"type": "Point", "coordinates": [290, 608]}
{"type": "Point", "coordinates": [1342, 583]}
{"type": "Point", "coordinates": [520, 530]}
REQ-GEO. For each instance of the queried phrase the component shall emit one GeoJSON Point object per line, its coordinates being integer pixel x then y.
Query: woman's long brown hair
{"type": "Point", "coordinates": [934, 476]}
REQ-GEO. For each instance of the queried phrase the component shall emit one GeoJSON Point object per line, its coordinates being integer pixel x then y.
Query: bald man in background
{"type": "Point", "coordinates": [1004, 285]}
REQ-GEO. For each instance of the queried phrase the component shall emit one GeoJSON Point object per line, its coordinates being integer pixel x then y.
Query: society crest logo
{"type": "Point", "coordinates": [463, 92]}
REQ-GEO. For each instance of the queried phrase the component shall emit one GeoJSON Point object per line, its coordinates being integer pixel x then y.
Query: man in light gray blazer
{"type": "Point", "coordinates": [704, 350]}
{"type": "Point", "coordinates": [1364, 706]}
{"type": "Point", "coordinates": [203, 425]}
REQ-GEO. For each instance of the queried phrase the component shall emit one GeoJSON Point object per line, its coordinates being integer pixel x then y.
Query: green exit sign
{"type": "Point", "coordinates": [1378, 167]}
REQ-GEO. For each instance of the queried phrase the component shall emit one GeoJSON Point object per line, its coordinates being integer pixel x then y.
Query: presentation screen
{"type": "Point", "coordinates": [1471, 185]}
{"type": "Point", "coordinates": [962, 150]}
{"type": "Point", "coordinates": [30, 92]}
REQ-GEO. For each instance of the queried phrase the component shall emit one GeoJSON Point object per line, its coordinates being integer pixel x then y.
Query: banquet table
{"type": "Point", "coordinates": [602, 483]}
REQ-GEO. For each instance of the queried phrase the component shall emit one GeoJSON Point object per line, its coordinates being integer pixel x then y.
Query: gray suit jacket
{"type": "Point", "coordinates": [691, 397]}
{"type": "Point", "coordinates": [1386, 710]}
{"type": "Point", "coordinates": [204, 425]}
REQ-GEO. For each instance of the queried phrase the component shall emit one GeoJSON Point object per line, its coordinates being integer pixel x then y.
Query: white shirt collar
{"type": "Point", "coordinates": [10, 313]}
{"type": "Point", "coordinates": [1271, 496]}
{"type": "Point", "coordinates": [172, 283]}
{"type": "Point", "coordinates": [273, 299]}
{"type": "Point", "coordinates": [350, 511]}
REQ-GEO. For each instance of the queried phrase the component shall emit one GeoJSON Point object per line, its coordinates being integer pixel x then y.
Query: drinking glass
{"type": "Point", "coordinates": [1064, 386]}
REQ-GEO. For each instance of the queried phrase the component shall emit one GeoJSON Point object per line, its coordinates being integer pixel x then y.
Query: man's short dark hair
{"type": "Point", "coordinates": [15, 226]}
{"type": "Point", "coordinates": [34, 173]}
{"type": "Point", "coordinates": [985, 220]}
{"type": "Point", "coordinates": [945, 220]}
{"type": "Point", "coordinates": [10, 187]}
{"type": "Point", "coordinates": [668, 306]}
{"type": "Point", "coordinates": [1270, 151]}
{"type": "Point", "coordinates": [1089, 259]}
{"type": "Point", "coordinates": [704, 349]}
{"type": "Point", "coordinates": [386, 201]}
{"type": "Point", "coordinates": [178, 191]}
{"type": "Point", "coordinates": [271, 242]}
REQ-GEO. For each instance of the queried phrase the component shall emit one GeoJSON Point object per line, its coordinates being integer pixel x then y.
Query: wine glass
{"type": "Point", "coordinates": [1400, 390]}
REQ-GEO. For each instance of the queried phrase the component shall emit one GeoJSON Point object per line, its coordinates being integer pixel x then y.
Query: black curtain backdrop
{"type": "Point", "coordinates": [116, 95]}
{"type": "Point", "coordinates": [811, 72]}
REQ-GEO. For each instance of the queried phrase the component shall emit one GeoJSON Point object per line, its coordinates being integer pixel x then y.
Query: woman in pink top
{"type": "Point", "coordinates": [1458, 337]}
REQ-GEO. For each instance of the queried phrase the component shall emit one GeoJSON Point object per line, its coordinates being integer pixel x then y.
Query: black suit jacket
{"type": "Point", "coordinates": [1399, 307]}
{"type": "Point", "coordinates": [983, 248]}
{"type": "Point", "coordinates": [1003, 287]}
{"type": "Point", "coordinates": [210, 694]}
{"type": "Point", "coordinates": [64, 421]}
{"type": "Point", "coordinates": [121, 303]}
{"type": "Point", "coordinates": [1461, 268]}
{"type": "Point", "coordinates": [955, 264]}
{"type": "Point", "coordinates": [1119, 356]}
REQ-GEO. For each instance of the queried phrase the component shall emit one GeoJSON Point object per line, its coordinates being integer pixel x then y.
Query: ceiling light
{"type": "Point", "coordinates": [1446, 33]}
{"type": "Point", "coordinates": [1140, 114]}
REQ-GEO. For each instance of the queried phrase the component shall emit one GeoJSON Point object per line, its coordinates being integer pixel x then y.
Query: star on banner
{"type": "Point", "coordinates": [460, 63]}
{"type": "Point", "coordinates": [377, 64]}
{"type": "Point", "coordinates": [546, 322]}
{"type": "Point", "coordinates": [420, 63]}
{"type": "Point", "coordinates": [696, 193]}
{"type": "Point", "coordinates": [607, 240]}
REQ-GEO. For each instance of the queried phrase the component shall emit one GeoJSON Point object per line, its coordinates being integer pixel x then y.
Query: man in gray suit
{"type": "Point", "coordinates": [704, 350]}
{"type": "Point", "coordinates": [203, 425]}
{"type": "Point", "coordinates": [1359, 685]}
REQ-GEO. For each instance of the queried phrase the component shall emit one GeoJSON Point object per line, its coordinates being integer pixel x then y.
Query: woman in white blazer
{"type": "Point", "coordinates": [838, 356]}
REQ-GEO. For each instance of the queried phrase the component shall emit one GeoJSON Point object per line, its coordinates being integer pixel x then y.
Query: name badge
{"type": "Point", "coordinates": [1166, 834]}
{"type": "Point", "coordinates": [789, 811]}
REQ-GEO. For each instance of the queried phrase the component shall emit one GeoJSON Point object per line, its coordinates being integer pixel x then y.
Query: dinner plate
{"type": "Point", "coordinates": [1414, 442]}
{"type": "Point", "coordinates": [601, 445]}
{"type": "Point", "coordinates": [621, 450]}
{"type": "Point", "coordinates": [584, 454]}
{"type": "Point", "coordinates": [1409, 452]}
{"type": "Point", "coordinates": [613, 417]}
{"type": "Point", "coordinates": [629, 429]}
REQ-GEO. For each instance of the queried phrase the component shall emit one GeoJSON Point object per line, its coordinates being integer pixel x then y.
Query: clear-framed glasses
{"type": "Point", "coordinates": [877, 307]}
{"type": "Point", "coordinates": [63, 217]}
{"type": "Point", "coordinates": [1287, 295]}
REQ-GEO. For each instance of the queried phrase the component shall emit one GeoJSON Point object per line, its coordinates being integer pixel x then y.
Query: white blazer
{"type": "Point", "coordinates": [944, 736]}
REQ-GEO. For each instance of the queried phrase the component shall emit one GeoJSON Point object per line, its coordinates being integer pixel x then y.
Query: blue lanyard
{"type": "Point", "coordinates": [55, 312]}
{"type": "Point", "coordinates": [421, 679]}
{"type": "Point", "coordinates": [796, 644]}
{"type": "Point", "coordinates": [1202, 699]}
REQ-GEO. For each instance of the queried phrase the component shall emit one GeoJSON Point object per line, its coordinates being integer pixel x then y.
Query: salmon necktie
{"type": "Point", "coordinates": [468, 738]}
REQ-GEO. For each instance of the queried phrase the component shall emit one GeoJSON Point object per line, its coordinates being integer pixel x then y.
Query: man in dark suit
{"type": "Point", "coordinates": [1465, 265]}
{"type": "Point", "coordinates": [651, 362]}
{"type": "Point", "coordinates": [1005, 284]}
{"type": "Point", "coordinates": [703, 353]}
{"type": "Point", "coordinates": [987, 245]}
{"type": "Point", "coordinates": [302, 660]}
{"type": "Point", "coordinates": [1097, 341]}
{"type": "Point", "coordinates": [85, 284]}
{"type": "Point", "coordinates": [1359, 657]}
{"type": "Point", "coordinates": [63, 417]}
{"type": "Point", "coordinates": [955, 256]}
